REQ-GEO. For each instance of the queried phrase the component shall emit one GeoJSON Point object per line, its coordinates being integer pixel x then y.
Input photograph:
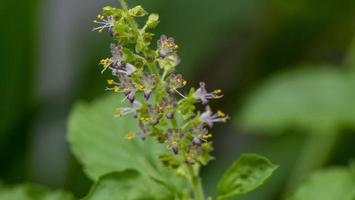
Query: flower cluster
{"type": "Point", "coordinates": [151, 87]}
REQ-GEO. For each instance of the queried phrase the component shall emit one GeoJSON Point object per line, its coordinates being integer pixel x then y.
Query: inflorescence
{"type": "Point", "coordinates": [150, 84]}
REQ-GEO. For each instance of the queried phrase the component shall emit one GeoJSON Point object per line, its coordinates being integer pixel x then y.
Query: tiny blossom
{"type": "Point", "coordinates": [129, 89]}
{"type": "Point", "coordinates": [166, 45]}
{"type": "Point", "coordinates": [117, 55]}
{"type": "Point", "coordinates": [106, 63]}
{"type": "Point", "coordinates": [168, 107]}
{"type": "Point", "coordinates": [175, 81]}
{"type": "Point", "coordinates": [127, 69]}
{"type": "Point", "coordinates": [136, 105]}
{"type": "Point", "coordinates": [130, 135]}
{"type": "Point", "coordinates": [202, 94]}
{"type": "Point", "coordinates": [144, 130]}
{"type": "Point", "coordinates": [200, 134]}
{"type": "Point", "coordinates": [154, 113]}
{"type": "Point", "coordinates": [173, 136]}
{"type": "Point", "coordinates": [209, 118]}
{"type": "Point", "coordinates": [148, 82]}
{"type": "Point", "coordinates": [103, 23]}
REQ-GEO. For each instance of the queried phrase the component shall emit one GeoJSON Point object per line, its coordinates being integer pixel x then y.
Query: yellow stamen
{"type": "Point", "coordinates": [100, 17]}
{"type": "Point", "coordinates": [174, 143]}
{"type": "Point", "coordinates": [184, 83]}
{"type": "Point", "coordinates": [126, 89]}
{"type": "Point", "coordinates": [110, 82]}
{"type": "Point", "coordinates": [218, 91]}
{"type": "Point", "coordinates": [207, 136]}
{"type": "Point", "coordinates": [118, 112]}
{"type": "Point", "coordinates": [130, 135]}
{"type": "Point", "coordinates": [221, 114]}
{"type": "Point", "coordinates": [116, 89]}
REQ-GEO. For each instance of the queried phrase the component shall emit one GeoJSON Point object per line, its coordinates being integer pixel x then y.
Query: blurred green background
{"type": "Point", "coordinates": [287, 69]}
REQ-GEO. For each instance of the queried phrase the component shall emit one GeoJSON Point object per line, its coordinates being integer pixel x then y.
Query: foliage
{"type": "Point", "coordinates": [318, 101]}
{"type": "Point", "coordinates": [32, 192]}
{"type": "Point", "coordinates": [127, 184]}
{"type": "Point", "coordinates": [98, 141]}
{"type": "Point", "coordinates": [245, 174]}
{"type": "Point", "coordinates": [328, 184]}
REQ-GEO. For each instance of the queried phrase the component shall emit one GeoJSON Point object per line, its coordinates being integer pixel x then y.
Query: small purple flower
{"type": "Point", "coordinates": [173, 136]}
{"type": "Point", "coordinates": [126, 69]}
{"type": "Point", "coordinates": [136, 105]}
{"type": "Point", "coordinates": [117, 55]}
{"type": "Point", "coordinates": [166, 45]}
{"type": "Point", "coordinates": [196, 141]}
{"type": "Point", "coordinates": [168, 106]}
{"type": "Point", "coordinates": [104, 23]}
{"type": "Point", "coordinates": [144, 130]}
{"type": "Point", "coordinates": [154, 114]}
{"type": "Point", "coordinates": [175, 81]}
{"type": "Point", "coordinates": [129, 90]}
{"type": "Point", "coordinates": [209, 118]}
{"type": "Point", "coordinates": [202, 94]}
{"type": "Point", "coordinates": [148, 82]}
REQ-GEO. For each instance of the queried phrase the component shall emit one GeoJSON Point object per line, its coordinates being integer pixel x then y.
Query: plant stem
{"type": "Point", "coordinates": [129, 18]}
{"type": "Point", "coordinates": [196, 183]}
{"type": "Point", "coordinates": [193, 174]}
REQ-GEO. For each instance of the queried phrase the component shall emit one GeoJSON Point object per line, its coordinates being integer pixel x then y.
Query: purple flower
{"type": "Point", "coordinates": [154, 114]}
{"type": "Point", "coordinates": [175, 81]}
{"type": "Point", "coordinates": [144, 130]}
{"type": "Point", "coordinates": [209, 118]}
{"type": "Point", "coordinates": [148, 82]}
{"type": "Point", "coordinates": [103, 23]}
{"type": "Point", "coordinates": [129, 90]}
{"type": "Point", "coordinates": [173, 136]}
{"type": "Point", "coordinates": [166, 45]}
{"type": "Point", "coordinates": [136, 105]}
{"type": "Point", "coordinates": [117, 55]}
{"type": "Point", "coordinates": [168, 107]}
{"type": "Point", "coordinates": [202, 94]}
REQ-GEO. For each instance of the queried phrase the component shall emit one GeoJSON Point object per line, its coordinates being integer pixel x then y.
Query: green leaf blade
{"type": "Point", "coordinates": [32, 192]}
{"type": "Point", "coordinates": [245, 175]}
{"type": "Point", "coordinates": [313, 100]}
{"type": "Point", "coordinates": [97, 139]}
{"type": "Point", "coordinates": [328, 184]}
{"type": "Point", "coordinates": [128, 184]}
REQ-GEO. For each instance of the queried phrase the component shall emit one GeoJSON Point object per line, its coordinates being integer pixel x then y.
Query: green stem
{"type": "Point", "coordinates": [196, 183]}
{"type": "Point", "coordinates": [129, 18]}
{"type": "Point", "coordinates": [152, 67]}
{"type": "Point", "coordinates": [194, 178]}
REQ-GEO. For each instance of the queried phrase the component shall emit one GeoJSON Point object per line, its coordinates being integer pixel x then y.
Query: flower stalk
{"type": "Point", "coordinates": [154, 93]}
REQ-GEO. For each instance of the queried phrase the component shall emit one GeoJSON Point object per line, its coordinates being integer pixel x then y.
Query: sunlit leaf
{"type": "Point", "coordinates": [328, 184]}
{"type": "Point", "coordinates": [32, 192]}
{"type": "Point", "coordinates": [245, 174]}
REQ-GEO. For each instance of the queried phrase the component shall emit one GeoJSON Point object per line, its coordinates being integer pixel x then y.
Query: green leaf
{"type": "Point", "coordinates": [245, 175]}
{"type": "Point", "coordinates": [98, 141]}
{"type": "Point", "coordinates": [126, 185]}
{"type": "Point", "coordinates": [316, 100]}
{"type": "Point", "coordinates": [32, 192]}
{"type": "Point", "coordinates": [328, 184]}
